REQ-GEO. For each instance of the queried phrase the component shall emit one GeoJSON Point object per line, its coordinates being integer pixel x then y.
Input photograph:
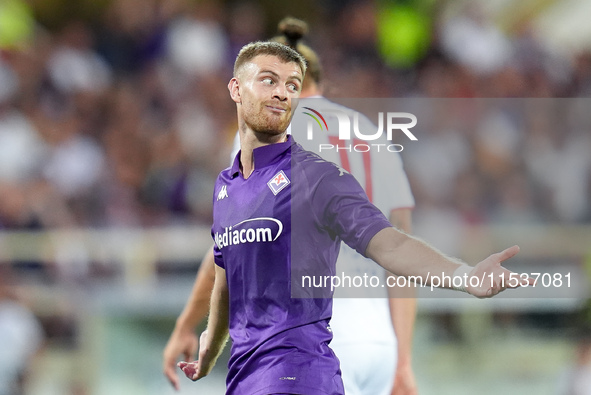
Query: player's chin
{"type": "Point", "coordinates": [279, 117]}
{"type": "Point", "coordinates": [277, 125]}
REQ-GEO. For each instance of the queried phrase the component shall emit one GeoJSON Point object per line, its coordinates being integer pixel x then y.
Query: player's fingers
{"type": "Point", "coordinates": [404, 386]}
{"type": "Point", "coordinates": [508, 280]}
{"type": "Point", "coordinates": [515, 280]}
{"type": "Point", "coordinates": [168, 367]}
{"type": "Point", "coordinates": [507, 253]}
{"type": "Point", "coordinates": [531, 281]}
{"type": "Point", "coordinates": [173, 378]}
{"type": "Point", "coordinates": [492, 285]}
{"type": "Point", "coordinates": [189, 369]}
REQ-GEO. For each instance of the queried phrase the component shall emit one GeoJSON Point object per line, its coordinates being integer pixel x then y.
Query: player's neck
{"type": "Point", "coordinates": [250, 140]}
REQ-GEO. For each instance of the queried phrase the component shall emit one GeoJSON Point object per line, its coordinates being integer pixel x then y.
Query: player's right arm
{"type": "Point", "coordinates": [341, 205]}
{"type": "Point", "coordinates": [406, 255]}
{"type": "Point", "coordinates": [213, 340]}
{"type": "Point", "coordinates": [183, 340]}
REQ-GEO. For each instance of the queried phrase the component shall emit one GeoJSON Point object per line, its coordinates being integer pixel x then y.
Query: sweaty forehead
{"type": "Point", "coordinates": [270, 63]}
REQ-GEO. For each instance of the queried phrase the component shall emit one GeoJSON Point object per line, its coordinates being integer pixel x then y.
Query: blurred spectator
{"type": "Point", "coordinates": [21, 147]}
{"type": "Point", "coordinates": [21, 337]}
{"type": "Point", "coordinates": [196, 41]}
{"type": "Point", "coordinates": [356, 32]}
{"type": "Point", "coordinates": [497, 140]}
{"type": "Point", "coordinates": [443, 154]}
{"type": "Point", "coordinates": [122, 119]}
{"type": "Point", "coordinates": [439, 77]}
{"type": "Point", "coordinates": [131, 34]}
{"type": "Point", "coordinates": [515, 201]}
{"type": "Point", "coordinates": [126, 144]}
{"type": "Point", "coordinates": [8, 82]}
{"type": "Point", "coordinates": [74, 65]}
{"type": "Point", "coordinates": [581, 83]}
{"type": "Point", "coordinates": [75, 162]}
{"type": "Point", "coordinates": [556, 158]}
{"type": "Point", "coordinates": [577, 379]}
{"type": "Point", "coordinates": [125, 120]}
{"type": "Point", "coordinates": [246, 24]}
{"type": "Point", "coordinates": [474, 41]}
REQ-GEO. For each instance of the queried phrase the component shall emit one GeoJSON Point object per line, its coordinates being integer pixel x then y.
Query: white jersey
{"type": "Point", "coordinates": [361, 316]}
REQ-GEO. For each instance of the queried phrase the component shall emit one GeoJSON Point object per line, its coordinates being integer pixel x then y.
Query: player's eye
{"type": "Point", "coordinates": [293, 87]}
{"type": "Point", "coordinates": [267, 81]}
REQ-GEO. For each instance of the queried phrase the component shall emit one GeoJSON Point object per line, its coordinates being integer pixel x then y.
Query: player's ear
{"type": "Point", "coordinates": [234, 88]}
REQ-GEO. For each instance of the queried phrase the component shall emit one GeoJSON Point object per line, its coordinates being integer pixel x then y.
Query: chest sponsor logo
{"type": "Point", "coordinates": [223, 193]}
{"type": "Point", "coordinates": [278, 182]}
{"type": "Point", "coordinates": [254, 230]}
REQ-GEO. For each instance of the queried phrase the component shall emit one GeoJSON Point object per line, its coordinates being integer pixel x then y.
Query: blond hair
{"type": "Point", "coordinates": [283, 52]}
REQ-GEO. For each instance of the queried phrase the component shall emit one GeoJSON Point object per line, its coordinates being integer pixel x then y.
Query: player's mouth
{"type": "Point", "coordinates": [276, 109]}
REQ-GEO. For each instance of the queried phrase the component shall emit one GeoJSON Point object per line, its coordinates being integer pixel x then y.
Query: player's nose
{"type": "Point", "coordinates": [280, 92]}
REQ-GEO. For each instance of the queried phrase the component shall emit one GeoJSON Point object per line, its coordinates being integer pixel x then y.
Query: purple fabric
{"type": "Point", "coordinates": [280, 342]}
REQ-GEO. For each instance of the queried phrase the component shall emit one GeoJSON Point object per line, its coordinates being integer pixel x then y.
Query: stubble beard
{"type": "Point", "coordinates": [268, 124]}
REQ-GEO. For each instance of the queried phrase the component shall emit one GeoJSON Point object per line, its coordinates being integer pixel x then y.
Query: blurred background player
{"type": "Point", "coordinates": [365, 328]}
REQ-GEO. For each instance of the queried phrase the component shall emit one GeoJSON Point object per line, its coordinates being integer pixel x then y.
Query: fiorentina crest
{"type": "Point", "coordinates": [278, 182]}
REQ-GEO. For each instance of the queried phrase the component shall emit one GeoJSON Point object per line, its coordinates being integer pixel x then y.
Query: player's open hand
{"type": "Point", "coordinates": [404, 381]}
{"type": "Point", "coordinates": [200, 368]}
{"type": "Point", "coordinates": [181, 342]}
{"type": "Point", "coordinates": [488, 278]}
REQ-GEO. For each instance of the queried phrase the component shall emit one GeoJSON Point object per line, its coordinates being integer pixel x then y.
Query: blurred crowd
{"type": "Point", "coordinates": [125, 120]}
{"type": "Point", "coordinates": [499, 162]}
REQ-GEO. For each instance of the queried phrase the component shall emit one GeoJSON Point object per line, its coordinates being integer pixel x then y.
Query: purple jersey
{"type": "Point", "coordinates": [287, 219]}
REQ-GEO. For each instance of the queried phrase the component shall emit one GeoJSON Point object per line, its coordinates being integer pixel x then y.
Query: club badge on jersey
{"type": "Point", "coordinates": [278, 182]}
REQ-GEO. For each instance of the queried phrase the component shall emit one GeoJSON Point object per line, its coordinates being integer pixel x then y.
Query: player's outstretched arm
{"type": "Point", "coordinates": [213, 340]}
{"type": "Point", "coordinates": [408, 256]}
{"type": "Point", "coordinates": [183, 340]}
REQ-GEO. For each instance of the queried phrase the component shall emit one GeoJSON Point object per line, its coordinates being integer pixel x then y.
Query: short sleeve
{"type": "Point", "coordinates": [343, 209]}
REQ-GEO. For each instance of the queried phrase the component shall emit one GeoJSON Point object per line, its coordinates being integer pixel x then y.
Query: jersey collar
{"type": "Point", "coordinates": [264, 156]}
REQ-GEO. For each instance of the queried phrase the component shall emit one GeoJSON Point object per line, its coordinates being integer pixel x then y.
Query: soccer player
{"type": "Point", "coordinates": [365, 327]}
{"type": "Point", "coordinates": [278, 198]}
{"type": "Point", "coordinates": [377, 328]}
